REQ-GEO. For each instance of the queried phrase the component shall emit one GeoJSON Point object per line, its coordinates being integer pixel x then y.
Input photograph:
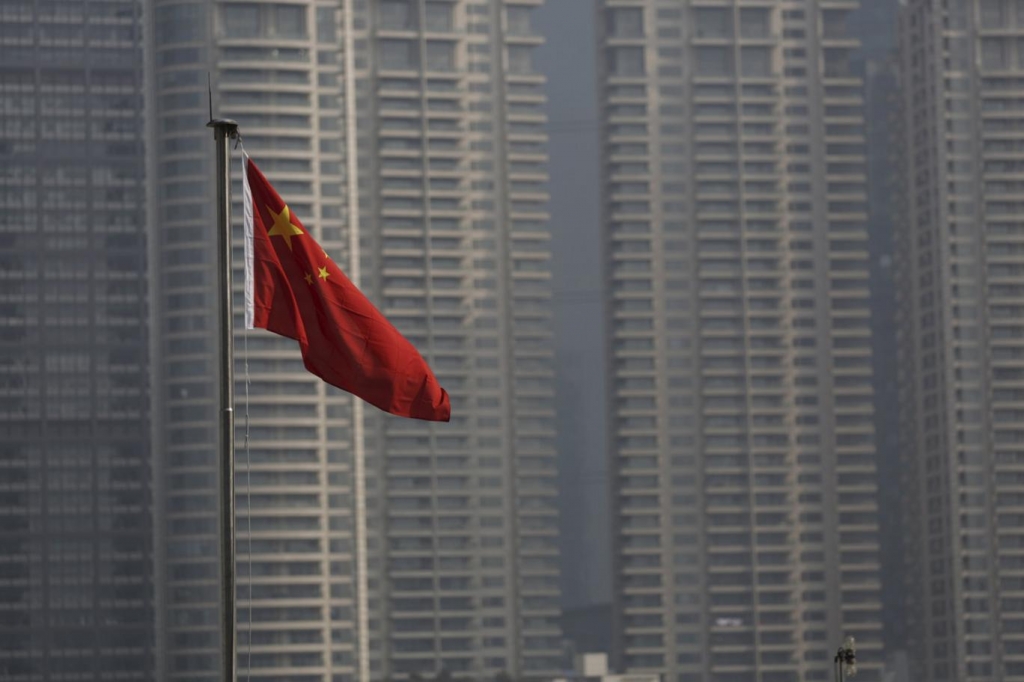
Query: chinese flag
{"type": "Point", "coordinates": [294, 289]}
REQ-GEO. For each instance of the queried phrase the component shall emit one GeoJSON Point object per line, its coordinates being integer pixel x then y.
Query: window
{"type": "Point", "coordinates": [625, 22]}
{"type": "Point", "coordinates": [757, 61]}
{"type": "Point", "coordinates": [290, 21]}
{"type": "Point", "coordinates": [396, 15]}
{"type": "Point", "coordinates": [249, 20]}
{"type": "Point", "coordinates": [993, 13]}
{"type": "Point", "coordinates": [326, 30]}
{"type": "Point", "coordinates": [834, 23]}
{"type": "Point", "coordinates": [439, 17]}
{"type": "Point", "coordinates": [440, 56]}
{"type": "Point", "coordinates": [520, 59]}
{"type": "Point", "coordinates": [626, 61]}
{"type": "Point", "coordinates": [520, 21]}
{"type": "Point", "coordinates": [398, 54]}
{"type": "Point", "coordinates": [713, 22]}
{"type": "Point", "coordinates": [755, 22]}
{"type": "Point", "coordinates": [714, 61]}
{"type": "Point", "coordinates": [241, 20]}
{"type": "Point", "coordinates": [993, 53]}
{"type": "Point", "coordinates": [180, 23]}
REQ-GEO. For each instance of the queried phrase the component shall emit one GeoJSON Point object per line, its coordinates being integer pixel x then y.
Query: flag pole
{"type": "Point", "coordinates": [224, 131]}
{"type": "Point", "coordinates": [358, 425]}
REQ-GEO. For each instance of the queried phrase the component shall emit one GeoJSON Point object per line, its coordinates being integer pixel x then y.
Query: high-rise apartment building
{"type": "Point", "coordinates": [276, 68]}
{"type": "Point", "coordinates": [75, 508]}
{"type": "Point", "coordinates": [455, 250]}
{"type": "Point", "coordinates": [413, 132]}
{"type": "Point", "coordinates": [960, 263]}
{"type": "Point", "coordinates": [744, 494]}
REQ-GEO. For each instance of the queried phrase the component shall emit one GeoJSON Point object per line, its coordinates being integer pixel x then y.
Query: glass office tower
{"type": "Point", "coordinates": [75, 507]}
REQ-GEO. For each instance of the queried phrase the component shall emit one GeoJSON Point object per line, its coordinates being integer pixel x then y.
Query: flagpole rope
{"type": "Point", "coordinates": [248, 468]}
{"type": "Point", "coordinates": [248, 505]}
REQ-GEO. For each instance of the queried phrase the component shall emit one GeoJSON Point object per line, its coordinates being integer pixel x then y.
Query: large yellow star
{"type": "Point", "coordinates": [324, 274]}
{"type": "Point", "coordinates": [283, 226]}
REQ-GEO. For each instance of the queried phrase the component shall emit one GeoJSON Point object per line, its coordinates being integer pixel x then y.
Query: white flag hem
{"type": "Point", "coordinates": [247, 227]}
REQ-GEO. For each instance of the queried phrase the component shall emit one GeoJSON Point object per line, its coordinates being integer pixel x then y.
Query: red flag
{"type": "Point", "coordinates": [294, 289]}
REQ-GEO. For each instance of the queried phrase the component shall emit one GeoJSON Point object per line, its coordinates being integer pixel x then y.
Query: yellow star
{"type": "Point", "coordinates": [324, 274]}
{"type": "Point", "coordinates": [283, 226]}
{"type": "Point", "coordinates": [309, 278]}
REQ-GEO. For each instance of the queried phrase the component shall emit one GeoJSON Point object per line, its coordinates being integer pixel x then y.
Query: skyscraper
{"type": "Point", "coordinates": [744, 485]}
{"type": "Point", "coordinates": [277, 69]}
{"type": "Point", "coordinates": [959, 264]}
{"type": "Point", "coordinates": [408, 134]}
{"type": "Point", "coordinates": [75, 511]}
{"type": "Point", "coordinates": [464, 560]}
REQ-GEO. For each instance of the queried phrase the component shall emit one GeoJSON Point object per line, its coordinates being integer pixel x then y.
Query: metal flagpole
{"type": "Point", "coordinates": [358, 446]}
{"type": "Point", "coordinates": [223, 132]}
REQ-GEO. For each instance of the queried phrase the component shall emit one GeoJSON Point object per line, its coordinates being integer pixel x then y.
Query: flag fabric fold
{"type": "Point", "coordinates": [294, 289]}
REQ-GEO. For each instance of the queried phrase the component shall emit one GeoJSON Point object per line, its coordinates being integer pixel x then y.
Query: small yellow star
{"type": "Point", "coordinates": [309, 278]}
{"type": "Point", "coordinates": [324, 274]}
{"type": "Point", "coordinates": [283, 226]}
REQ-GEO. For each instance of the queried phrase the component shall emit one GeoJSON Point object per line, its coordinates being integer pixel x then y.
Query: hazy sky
{"type": "Point", "coordinates": [568, 61]}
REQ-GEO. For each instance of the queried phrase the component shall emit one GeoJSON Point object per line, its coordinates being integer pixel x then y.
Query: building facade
{"type": "Point", "coordinates": [456, 251]}
{"type": "Point", "coordinates": [959, 266]}
{"type": "Point", "coordinates": [276, 68]}
{"type": "Point", "coordinates": [408, 137]}
{"type": "Point", "coordinates": [744, 487]}
{"type": "Point", "coordinates": [75, 518]}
